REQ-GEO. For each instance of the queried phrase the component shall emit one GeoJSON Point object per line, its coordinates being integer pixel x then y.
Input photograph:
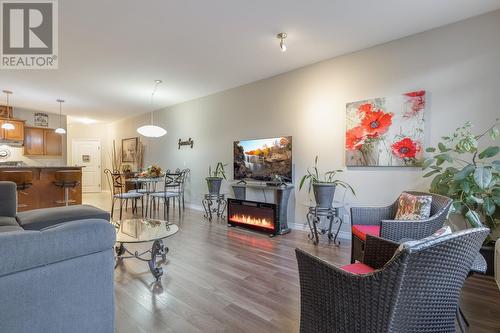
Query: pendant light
{"type": "Point", "coordinates": [60, 130]}
{"type": "Point", "coordinates": [6, 125]}
{"type": "Point", "coordinates": [152, 131]}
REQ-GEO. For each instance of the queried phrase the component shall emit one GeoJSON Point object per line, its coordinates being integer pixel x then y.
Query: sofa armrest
{"type": "Point", "coordinates": [8, 199]}
{"type": "Point", "coordinates": [371, 215]}
{"type": "Point", "coordinates": [378, 251]}
{"type": "Point", "coordinates": [23, 250]}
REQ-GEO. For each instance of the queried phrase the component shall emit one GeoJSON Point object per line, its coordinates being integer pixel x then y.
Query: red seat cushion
{"type": "Point", "coordinates": [358, 268]}
{"type": "Point", "coordinates": [361, 230]}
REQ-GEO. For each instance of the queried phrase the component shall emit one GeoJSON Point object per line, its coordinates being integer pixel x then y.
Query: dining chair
{"type": "Point", "coordinates": [116, 185]}
{"type": "Point", "coordinates": [178, 183]}
{"type": "Point", "coordinates": [171, 190]}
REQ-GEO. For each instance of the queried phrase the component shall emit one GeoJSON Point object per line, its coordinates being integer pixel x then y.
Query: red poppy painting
{"type": "Point", "coordinates": [386, 131]}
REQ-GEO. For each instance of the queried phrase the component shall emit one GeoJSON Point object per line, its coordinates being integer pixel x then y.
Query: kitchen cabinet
{"type": "Point", "coordinates": [42, 141]}
{"type": "Point", "coordinates": [52, 143]}
{"type": "Point", "coordinates": [16, 134]}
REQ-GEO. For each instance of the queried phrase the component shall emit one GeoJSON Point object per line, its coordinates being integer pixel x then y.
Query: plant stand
{"type": "Point", "coordinates": [214, 204]}
{"type": "Point", "coordinates": [314, 217]}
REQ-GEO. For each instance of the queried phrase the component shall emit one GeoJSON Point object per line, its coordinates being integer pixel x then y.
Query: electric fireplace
{"type": "Point", "coordinates": [254, 215]}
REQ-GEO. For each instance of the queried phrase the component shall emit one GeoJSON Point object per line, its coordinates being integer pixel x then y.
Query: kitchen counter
{"type": "Point", "coordinates": [44, 193]}
{"type": "Point", "coordinates": [24, 167]}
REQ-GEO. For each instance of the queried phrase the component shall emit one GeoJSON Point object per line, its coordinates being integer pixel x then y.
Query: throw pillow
{"type": "Point", "coordinates": [413, 207]}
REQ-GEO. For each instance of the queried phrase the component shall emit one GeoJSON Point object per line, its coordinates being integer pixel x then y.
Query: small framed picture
{"type": "Point", "coordinates": [41, 119]}
{"type": "Point", "coordinates": [129, 149]}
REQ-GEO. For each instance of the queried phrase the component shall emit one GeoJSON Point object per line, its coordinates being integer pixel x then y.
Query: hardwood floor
{"type": "Point", "coordinates": [220, 279]}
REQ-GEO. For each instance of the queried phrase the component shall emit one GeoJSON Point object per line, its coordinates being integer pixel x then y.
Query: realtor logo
{"type": "Point", "coordinates": [29, 34]}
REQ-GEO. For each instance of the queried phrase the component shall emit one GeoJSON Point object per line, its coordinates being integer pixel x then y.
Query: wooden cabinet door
{"type": "Point", "coordinates": [52, 143]}
{"type": "Point", "coordinates": [17, 133]}
{"type": "Point", "coordinates": [33, 143]}
{"type": "Point", "coordinates": [1, 130]}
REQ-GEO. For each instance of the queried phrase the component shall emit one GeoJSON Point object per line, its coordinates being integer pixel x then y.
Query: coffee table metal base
{"type": "Point", "coordinates": [158, 250]}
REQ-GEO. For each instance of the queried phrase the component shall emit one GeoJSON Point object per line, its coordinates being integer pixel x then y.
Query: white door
{"type": "Point", "coordinates": [87, 153]}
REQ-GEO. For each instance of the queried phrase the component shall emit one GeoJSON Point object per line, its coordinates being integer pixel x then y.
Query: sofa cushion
{"type": "Point", "coordinates": [358, 268]}
{"type": "Point", "coordinates": [361, 230]}
{"type": "Point", "coordinates": [8, 221]}
{"type": "Point", "coordinates": [39, 219]}
{"type": "Point", "coordinates": [10, 228]}
{"type": "Point", "coordinates": [413, 207]}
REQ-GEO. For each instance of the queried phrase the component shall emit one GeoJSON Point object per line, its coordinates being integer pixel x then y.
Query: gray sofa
{"type": "Point", "coordinates": [56, 268]}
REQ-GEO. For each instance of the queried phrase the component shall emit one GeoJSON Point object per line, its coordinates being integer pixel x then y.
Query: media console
{"type": "Point", "coordinates": [264, 216]}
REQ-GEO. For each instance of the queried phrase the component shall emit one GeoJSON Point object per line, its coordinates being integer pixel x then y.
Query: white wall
{"type": "Point", "coordinates": [458, 65]}
{"type": "Point", "coordinates": [17, 153]}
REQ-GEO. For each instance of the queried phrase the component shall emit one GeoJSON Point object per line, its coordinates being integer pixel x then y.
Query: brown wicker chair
{"type": "Point", "coordinates": [417, 290]}
{"type": "Point", "coordinates": [379, 221]}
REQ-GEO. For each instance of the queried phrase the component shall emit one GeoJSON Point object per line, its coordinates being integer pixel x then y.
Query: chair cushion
{"type": "Point", "coordinates": [413, 207]}
{"type": "Point", "coordinates": [358, 268]}
{"type": "Point", "coordinates": [42, 218]}
{"type": "Point", "coordinates": [165, 194]}
{"type": "Point", "coordinates": [361, 230]}
{"type": "Point", "coordinates": [8, 221]}
{"type": "Point", "coordinates": [129, 195]}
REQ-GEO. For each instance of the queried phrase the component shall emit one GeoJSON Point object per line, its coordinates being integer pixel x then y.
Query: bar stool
{"type": "Point", "coordinates": [67, 179]}
{"type": "Point", "coordinates": [23, 180]}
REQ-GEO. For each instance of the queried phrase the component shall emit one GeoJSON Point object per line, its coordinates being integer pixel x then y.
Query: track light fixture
{"type": "Point", "coordinates": [282, 36]}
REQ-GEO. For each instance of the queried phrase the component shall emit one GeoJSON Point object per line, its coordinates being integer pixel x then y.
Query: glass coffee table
{"type": "Point", "coordinates": [144, 230]}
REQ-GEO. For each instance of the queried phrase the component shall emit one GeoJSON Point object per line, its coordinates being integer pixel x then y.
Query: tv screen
{"type": "Point", "coordinates": [263, 159]}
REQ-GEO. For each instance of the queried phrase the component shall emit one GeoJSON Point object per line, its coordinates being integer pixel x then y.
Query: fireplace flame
{"type": "Point", "coordinates": [246, 219]}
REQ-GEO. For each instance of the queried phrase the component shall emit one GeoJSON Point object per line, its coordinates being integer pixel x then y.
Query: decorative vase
{"type": "Point", "coordinates": [214, 184]}
{"type": "Point", "coordinates": [323, 194]}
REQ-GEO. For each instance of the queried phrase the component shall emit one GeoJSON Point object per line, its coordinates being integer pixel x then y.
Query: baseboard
{"type": "Point", "coordinates": [304, 227]}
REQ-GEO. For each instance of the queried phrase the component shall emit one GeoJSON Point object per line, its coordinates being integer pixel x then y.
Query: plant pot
{"type": "Point", "coordinates": [323, 194]}
{"type": "Point", "coordinates": [214, 184]}
{"type": "Point", "coordinates": [488, 252]}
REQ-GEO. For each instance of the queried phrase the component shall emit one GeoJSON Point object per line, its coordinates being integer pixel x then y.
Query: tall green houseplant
{"type": "Point", "coordinates": [468, 173]}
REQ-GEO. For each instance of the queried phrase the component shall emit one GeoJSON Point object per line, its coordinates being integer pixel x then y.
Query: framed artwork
{"type": "Point", "coordinates": [386, 131]}
{"type": "Point", "coordinates": [41, 119]}
{"type": "Point", "coordinates": [129, 149]}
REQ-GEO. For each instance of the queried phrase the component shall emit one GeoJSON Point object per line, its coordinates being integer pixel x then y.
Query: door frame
{"type": "Point", "coordinates": [99, 148]}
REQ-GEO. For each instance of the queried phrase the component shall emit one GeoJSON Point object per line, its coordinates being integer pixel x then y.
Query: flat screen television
{"type": "Point", "coordinates": [263, 159]}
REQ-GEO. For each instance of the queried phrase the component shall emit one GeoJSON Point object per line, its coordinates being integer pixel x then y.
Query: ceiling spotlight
{"type": "Point", "coordinates": [281, 36]}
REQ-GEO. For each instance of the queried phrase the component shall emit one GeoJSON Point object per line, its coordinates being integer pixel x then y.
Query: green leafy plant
{"type": "Point", "coordinates": [218, 172]}
{"type": "Point", "coordinates": [314, 176]}
{"type": "Point", "coordinates": [468, 174]}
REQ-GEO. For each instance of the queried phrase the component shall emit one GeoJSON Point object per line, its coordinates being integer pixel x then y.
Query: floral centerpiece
{"type": "Point", "coordinates": [152, 171]}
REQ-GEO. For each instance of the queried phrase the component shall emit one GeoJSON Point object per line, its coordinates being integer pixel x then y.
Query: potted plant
{"type": "Point", "coordinates": [323, 185]}
{"type": "Point", "coordinates": [469, 174]}
{"type": "Point", "coordinates": [215, 176]}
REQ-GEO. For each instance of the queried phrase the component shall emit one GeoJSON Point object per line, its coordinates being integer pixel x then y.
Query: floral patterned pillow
{"type": "Point", "coordinates": [413, 207]}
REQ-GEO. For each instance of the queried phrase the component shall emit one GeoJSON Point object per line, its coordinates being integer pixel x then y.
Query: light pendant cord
{"type": "Point", "coordinates": [157, 83]}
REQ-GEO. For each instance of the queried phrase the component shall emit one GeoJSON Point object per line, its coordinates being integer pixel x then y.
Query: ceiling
{"type": "Point", "coordinates": [110, 52]}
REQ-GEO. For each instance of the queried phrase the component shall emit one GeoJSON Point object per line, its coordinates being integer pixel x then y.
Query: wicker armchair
{"type": "Point", "coordinates": [417, 290]}
{"type": "Point", "coordinates": [379, 221]}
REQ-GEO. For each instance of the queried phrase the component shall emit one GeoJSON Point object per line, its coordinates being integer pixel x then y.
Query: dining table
{"type": "Point", "coordinates": [146, 185]}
